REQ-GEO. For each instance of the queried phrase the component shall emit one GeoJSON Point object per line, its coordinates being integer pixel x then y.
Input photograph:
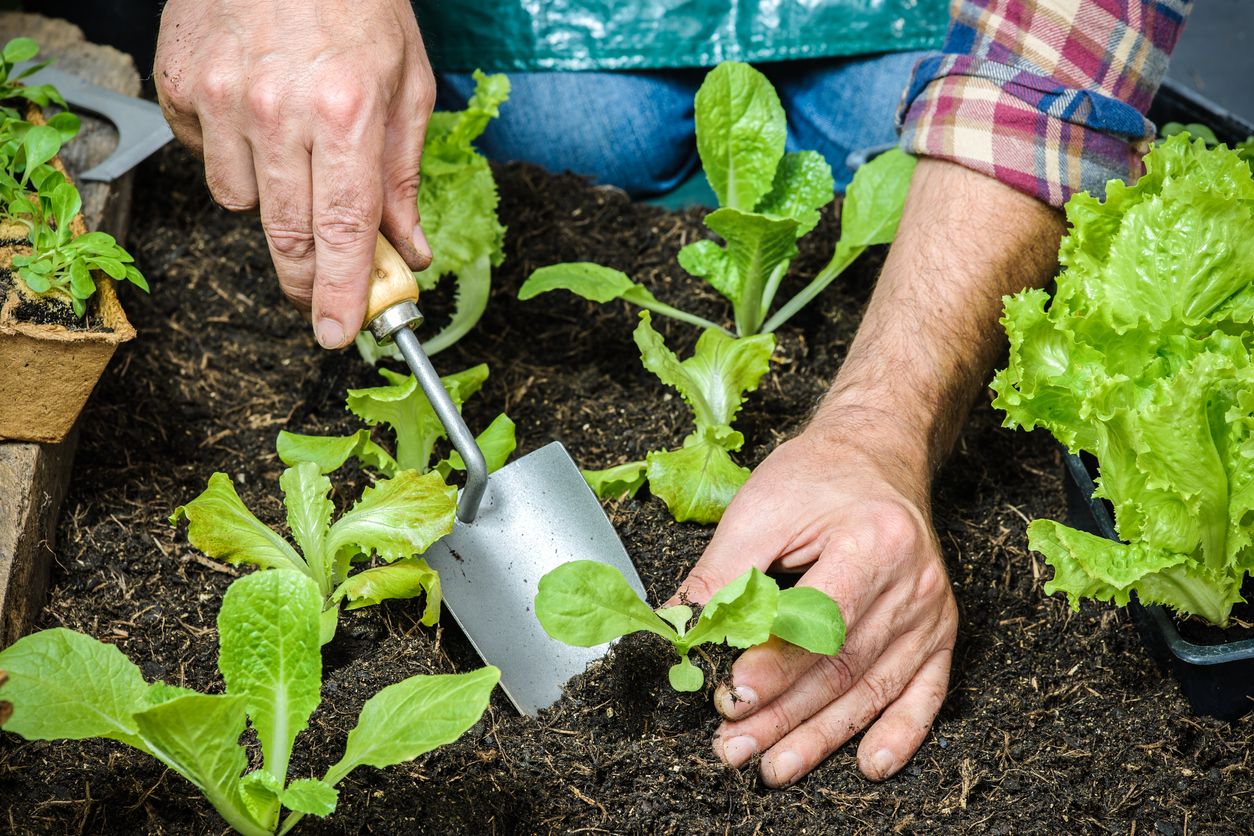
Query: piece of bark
{"type": "Point", "coordinates": [34, 477]}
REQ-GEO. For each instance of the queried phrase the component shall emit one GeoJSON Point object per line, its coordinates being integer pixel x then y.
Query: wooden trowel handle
{"type": "Point", "coordinates": [391, 281]}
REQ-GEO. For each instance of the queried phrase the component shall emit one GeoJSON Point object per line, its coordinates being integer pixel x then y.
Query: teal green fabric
{"type": "Point", "coordinates": [522, 35]}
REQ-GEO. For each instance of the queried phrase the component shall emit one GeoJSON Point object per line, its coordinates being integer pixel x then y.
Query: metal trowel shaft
{"type": "Point", "coordinates": [392, 313]}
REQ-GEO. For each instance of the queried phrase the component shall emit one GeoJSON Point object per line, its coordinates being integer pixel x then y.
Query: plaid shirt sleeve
{"type": "Point", "coordinates": [1048, 96]}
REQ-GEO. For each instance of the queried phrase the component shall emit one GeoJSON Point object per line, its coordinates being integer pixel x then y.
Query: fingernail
{"type": "Point", "coordinates": [782, 769]}
{"type": "Point", "coordinates": [882, 763]}
{"type": "Point", "coordinates": [330, 333]}
{"type": "Point", "coordinates": [739, 749]}
{"type": "Point", "coordinates": [736, 702]}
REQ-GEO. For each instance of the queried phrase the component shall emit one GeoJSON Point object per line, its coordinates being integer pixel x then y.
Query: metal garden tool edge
{"type": "Point", "coordinates": [141, 127]}
{"type": "Point", "coordinates": [512, 527]}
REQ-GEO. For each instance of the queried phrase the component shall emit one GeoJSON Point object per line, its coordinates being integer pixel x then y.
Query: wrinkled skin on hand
{"type": "Point", "coordinates": [821, 506]}
{"type": "Point", "coordinates": [312, 113]}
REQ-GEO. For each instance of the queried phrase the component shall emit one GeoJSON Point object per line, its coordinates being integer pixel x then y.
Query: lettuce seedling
{"type": "Point", "coordinates": [403, 407]}
{"type": "Point", "coordinates": [457, 200]}
{"type": "Point", "coordinates": [397, 519]}
{"type": "Point", "coordinates": [698, 480]}
{"type": "Point", "coordinates": [65, 685]}
{"type": "Point", "coordinates": [768, 200]}
{"type": "Point", "coordinates": [586, 603]}
{"type": "Point", "coordinates": [1143, 359]}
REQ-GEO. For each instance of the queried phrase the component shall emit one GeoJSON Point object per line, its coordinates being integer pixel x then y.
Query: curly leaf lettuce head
{"type": "Point", "coordinates": [1142, 359]}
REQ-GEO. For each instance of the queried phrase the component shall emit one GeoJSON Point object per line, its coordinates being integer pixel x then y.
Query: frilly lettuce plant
{"type": "Point", "coordinates": [397, 520]}
{"type": "Point", "coordinates": [64, 685]}
{"type": "Point", "coordinates": [1143, 359]}
{"type": "Point", "coordinates": [586, 603]}
{"type": "Point", "coordinates": [457, 200]}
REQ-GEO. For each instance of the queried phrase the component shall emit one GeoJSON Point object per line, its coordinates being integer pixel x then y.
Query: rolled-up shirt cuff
{"type": "Point", "coordinates": [1025, 130]}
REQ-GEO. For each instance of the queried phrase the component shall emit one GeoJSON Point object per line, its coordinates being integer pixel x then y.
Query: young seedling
{"type": "Point", "coordinates": [586, 603]}
{"type": "Point", "coordinates": [65, 685]}
{"type": "Point", "coordinates": [397, 520]}
{"type": "Point", "coordinates": [15, 52]}
{"type": "Point", "coordinates": [1142, 358]}
{"type": "Point", "coordinates": [698, 480]}
{"type": "Point", "coordinates": [457, 200]}
{"type": "Point", "coordinates": [403, 407]}
{"type": "Point", "coordinates": [768, 200]}
{"type": "Point", "coordinates": [62, 264]}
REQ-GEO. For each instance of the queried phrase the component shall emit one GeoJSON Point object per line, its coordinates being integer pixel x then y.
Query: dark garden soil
{"type": "Point", "coordinates": [44, 310]}
{"type": "Point", "coordinates": [1056, 721]}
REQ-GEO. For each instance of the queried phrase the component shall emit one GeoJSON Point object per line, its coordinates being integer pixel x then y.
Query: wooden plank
{"type": "Point", "coordinates": [34, 477]}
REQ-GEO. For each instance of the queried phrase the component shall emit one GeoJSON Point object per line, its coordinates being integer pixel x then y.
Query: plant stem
{"type": "Point", "coordinates": [683, 316]}
{"type": "Point", "coordinates": [772, 286]}
{"type": "Point", "coordinates": [842, 258]}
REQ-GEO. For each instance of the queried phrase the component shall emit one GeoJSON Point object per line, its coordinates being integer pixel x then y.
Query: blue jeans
{"type": "Point", "coordinates": [634, 129]}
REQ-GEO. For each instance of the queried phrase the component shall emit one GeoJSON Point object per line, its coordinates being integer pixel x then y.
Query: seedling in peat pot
{"type": "Point", "coordinates": [397, 519]}
{"type": "Point", "coordinates": [585, 603]}
{"type": "Point", "coordinates": [768, 200]}
{"type": "Point", "coordinates": [402, 406]}
{"type": "Point", "coordinates": [698, 480]}
{"type": "Point", "coordinates": [457, 200]}
{"type": "Point", "coordinates": [65, 685]}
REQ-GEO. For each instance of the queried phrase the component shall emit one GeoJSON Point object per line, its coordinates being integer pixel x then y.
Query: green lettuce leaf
{"type": "Point", "coordinates": [67, 686]}
{"type": "Point", "coordinates": [586, 603]}
{"type": "Point", "coordinates": [697, 481]}
{"type": "Point", "coordinates": [741, 129]}
{"type": "Point", "coordinates": [414, 716]}
{"type": "Point", "coordinates": [616, 482]}
{"type": "Point", "coordinates": [396, 518]}
{"type": "Point", "coordinates": [330, 452]}
{"type": "Point", "coordinates": [269, 655]}
{"type": "Point", "coordinates": [809, 618]}
{"type": "Point", "coordinates": [406, 578]}
{"type": "Point", "coordinates": [740, 614]}
{"type": "Point", "coordinates": [221, 527]}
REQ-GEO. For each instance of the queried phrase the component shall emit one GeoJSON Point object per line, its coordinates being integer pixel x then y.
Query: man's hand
{"type": "Point", "coordinates": [824, 506]}
{"type": "Point", "coordinates": [848, 501]}
{"type": "Point", "coordinates": [313, 112]}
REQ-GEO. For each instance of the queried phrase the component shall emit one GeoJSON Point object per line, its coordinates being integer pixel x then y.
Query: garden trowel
{"type": "Point", "coordinates": [512, 527]}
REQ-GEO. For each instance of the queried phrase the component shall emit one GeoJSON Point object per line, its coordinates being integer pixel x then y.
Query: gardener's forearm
{"type": "Point", "coordinates": [931, 335]}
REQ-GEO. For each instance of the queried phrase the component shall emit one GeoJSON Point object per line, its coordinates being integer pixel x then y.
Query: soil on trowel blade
{"type": "Point", "coordinates": [1056, 722]}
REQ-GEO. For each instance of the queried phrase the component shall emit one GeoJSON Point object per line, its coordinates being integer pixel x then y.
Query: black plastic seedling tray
{"type": "Point", "coordinates": [1217, 679]}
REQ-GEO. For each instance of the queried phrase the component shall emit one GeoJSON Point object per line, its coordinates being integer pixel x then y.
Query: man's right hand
{"type": "Point", "coordinates": [314, 113]}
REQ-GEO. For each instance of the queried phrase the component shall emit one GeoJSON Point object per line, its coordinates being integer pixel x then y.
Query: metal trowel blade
{"type": "Point", "coordinates": [537, 514]}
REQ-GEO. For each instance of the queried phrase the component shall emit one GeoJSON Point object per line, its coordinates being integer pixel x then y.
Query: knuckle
{"type": "Point", "coordinates": [879, 688]}
{"type": "Point", "coordinates": [405, 188]}
{"type": "Point", "coordinates": [300, 293]}
{"type": "Point", "coordinates": [341, 103]}
{"type": "Point", "coordinates": [932, 582]}
{"type": "Point", "coordinates": [897, 529]}
{"type": "Point", "coordinates": [290, 241]}
{"type": "Point", "coordinates": [264, 100]}
{"type": "Point", "coordinates": [698, 587]}
{"type": "Point", "coordinates": [343, 227]}
{"type": "Point", "coordinates": [840, 675]}
{"type": "Point", "coordinates": [227, 194]}
{"type": "Point", "coordinates": [218, 85]}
